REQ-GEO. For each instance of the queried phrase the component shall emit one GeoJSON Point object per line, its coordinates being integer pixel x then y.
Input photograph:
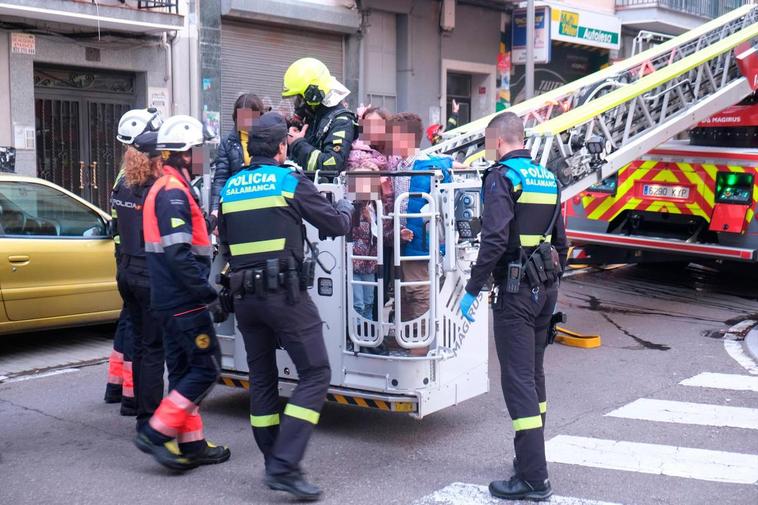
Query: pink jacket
{"type": "Point", "coordinates": [364, 157]}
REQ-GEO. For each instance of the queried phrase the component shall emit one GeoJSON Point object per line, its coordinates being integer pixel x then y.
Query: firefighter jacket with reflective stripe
{"type": "Point", "coordinates": [519, 198]}
{"type": "Point", "coordinates": [127, 203]}
{"type": "Point", "coordinates": [419, 245]}
{"type": "Point", "coordinates": [177, 246]}
{"type": "Point", "coordinates": [262, 212]}
{"type": "Point", "coordinates": [327, 142]}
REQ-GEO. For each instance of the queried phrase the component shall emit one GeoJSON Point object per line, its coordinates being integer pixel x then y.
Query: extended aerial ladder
{"type": "Point", "coordinates": [589, 129]}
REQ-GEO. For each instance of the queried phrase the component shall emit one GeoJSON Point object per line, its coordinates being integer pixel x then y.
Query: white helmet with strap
{"type": "Point", "coordinates": [137, 121]}
{"type": "Point", "coordinates": [181, 133]}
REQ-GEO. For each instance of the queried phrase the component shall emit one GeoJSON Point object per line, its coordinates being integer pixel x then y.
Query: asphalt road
{"type": "Point", "coordinates": [60, 444]}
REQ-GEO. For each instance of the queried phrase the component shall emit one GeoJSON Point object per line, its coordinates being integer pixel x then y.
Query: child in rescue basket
{"type": "Point", "coordinates": [365, 190]}
{"type": "Point", "coordinates": [405, 131]}
{"type": "Point", "coordinates": [365, 155]}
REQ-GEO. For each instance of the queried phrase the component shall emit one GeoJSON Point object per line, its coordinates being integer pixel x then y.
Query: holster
{"type": "Point", "coordinates": [558, 317]}
{"type": "Point", "coordinates": [307, 274]}
{"type": "Point", "coordinates": [225, 295]}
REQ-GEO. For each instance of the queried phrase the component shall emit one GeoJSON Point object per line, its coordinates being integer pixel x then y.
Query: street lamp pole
{"type": "Point", "coordinates": [529, 49]}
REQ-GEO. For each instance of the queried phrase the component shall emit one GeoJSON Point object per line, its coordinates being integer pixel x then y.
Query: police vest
{"type": "Point", "coordinates": [419, 245]}
{"type": "Point", "coordinates": [127, 204]}
{"type": "Point", "coordinates": [535, 206]}
{"type": "Point", "coordinates": [259, 223]}
{"type": "Point", "coordinates": [154, 243]}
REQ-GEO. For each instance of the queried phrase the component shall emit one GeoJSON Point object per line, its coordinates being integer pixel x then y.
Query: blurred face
{"type": "Point", "coordinates": [281, 156]}
{"type": "Point", "coordinates": [245, 118]}
{"type": "Point", "coordinates": [364, 188]}
{"type": "Point", "coordinates": [402, 142]}
{"type": "Point", "coordinates": [373, 128]}
{"type": "Point", "coordinates": [494, 146]}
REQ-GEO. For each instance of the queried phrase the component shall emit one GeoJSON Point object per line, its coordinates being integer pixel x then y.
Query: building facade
{"type": "Point", "coordinates": [69, 70]}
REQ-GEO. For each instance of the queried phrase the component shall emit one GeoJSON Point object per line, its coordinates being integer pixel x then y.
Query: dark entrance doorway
{"type": "Point", "coordinates": [76, 114]}
{"type": "Point", "coordinates": [459, 89]}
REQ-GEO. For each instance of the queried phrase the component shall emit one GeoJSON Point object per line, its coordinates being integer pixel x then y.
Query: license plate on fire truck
{"type": "Point", "coordinates": [666, 191]}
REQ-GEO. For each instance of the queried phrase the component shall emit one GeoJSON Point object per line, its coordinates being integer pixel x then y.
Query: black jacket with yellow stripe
{"type": "Point", "coordinates": [262, 212]}
{"type": "Point", "coordinates": [327, 142]}
{"type": "Point", "coordinates": [511, 221]}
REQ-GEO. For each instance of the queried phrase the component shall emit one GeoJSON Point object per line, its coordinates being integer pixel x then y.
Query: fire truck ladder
{"type": "Point", "coordinates": [628, 108]}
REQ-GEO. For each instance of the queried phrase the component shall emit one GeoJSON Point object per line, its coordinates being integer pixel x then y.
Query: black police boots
{"type": "Point", "coordinates": [517, 489]}
{"type": "Point", "coordinates": [113, 393]}
{"type": "Point", "coordinates": [128, 406]}
{"type": "Point", "coordinates": [295, 484]}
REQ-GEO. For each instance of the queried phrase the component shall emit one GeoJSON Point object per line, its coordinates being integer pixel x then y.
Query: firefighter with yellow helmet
{"type": "Point", "coordinates": [328, 131]}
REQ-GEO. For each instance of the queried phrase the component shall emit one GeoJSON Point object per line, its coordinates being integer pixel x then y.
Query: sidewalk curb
{"type": "Point", "coordinates": [751, 342]}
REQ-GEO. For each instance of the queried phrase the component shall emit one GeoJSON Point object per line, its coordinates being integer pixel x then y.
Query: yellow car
{"type": "Point", "coordinates": [57, 266]}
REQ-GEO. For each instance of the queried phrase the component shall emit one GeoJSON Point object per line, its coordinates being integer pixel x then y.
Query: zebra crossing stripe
{"type": "Point", "coordinates": [666, 411]}
{"type": "Point", "coordinates": [735, 382]}
{"type": "Point", "coordinates": [735, 350]}
{"type": "Point", "coordinates": [459, 493]}
{"type": "Point", "coordinates": [718, 466]}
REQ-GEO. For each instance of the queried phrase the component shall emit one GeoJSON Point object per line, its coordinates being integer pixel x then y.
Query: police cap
{"type": "Point", "coordinates": [266, 133]}
{"type": "Point", "coordinates": [147, 143]}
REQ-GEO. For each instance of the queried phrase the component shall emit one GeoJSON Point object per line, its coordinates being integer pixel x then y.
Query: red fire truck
{"type": "Point", "coordinates": [686, 200]}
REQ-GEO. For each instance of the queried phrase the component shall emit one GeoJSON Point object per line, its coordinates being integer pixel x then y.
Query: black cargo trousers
{"type": "Point", "coordinates": [521, 324]}
{"type": "Point", "coordinates": [266, 323]}
{"type": "Point", "coordinates": [134, 287]}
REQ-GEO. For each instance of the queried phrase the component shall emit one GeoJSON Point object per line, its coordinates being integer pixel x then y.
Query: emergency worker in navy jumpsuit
{"type": "Point", "coordinates": [261, 234]}
{"type": "Point", "coordinates": [178, 252]}
{"type": "Point", "coordinates": [521, 201]}
{"type": "Point", "coordinates": [121, 384]}
{"type": "Point", "coordinates": [141, 169]}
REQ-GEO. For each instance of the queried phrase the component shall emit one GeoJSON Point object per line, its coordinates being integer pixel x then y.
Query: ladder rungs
{"type": "Point", "coordinates": [658, 78]}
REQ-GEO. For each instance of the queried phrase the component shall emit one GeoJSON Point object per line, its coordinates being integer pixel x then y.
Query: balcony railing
{"type": "Point", "coordinates": [703, 8]}
{"type": "Point", "coordinates": [165, 5]}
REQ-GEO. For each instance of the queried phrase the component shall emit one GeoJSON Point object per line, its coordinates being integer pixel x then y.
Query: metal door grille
{"type": "Point", "coordinates": [59, 142]}
{"type": "Point", "coordinates": [105, 151]}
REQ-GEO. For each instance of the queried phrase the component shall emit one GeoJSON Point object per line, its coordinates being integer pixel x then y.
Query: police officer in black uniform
{"type": "Point", "coordinates": [133, 282]}
{"type": "Point", "coordinates": [524, 246]}
{"type": "Point", "coordinates": [261, 234]}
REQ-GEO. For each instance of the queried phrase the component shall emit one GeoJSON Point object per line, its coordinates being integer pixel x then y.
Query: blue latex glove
{"type": "Point", "coordinates": [465, 305]}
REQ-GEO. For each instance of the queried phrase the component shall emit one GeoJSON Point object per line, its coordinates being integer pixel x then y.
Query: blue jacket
{"type": "Point", "coordinates": [419, 246]}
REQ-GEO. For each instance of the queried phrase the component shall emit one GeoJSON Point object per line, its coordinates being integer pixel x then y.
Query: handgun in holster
{"type": "Point", "coordinates": [225, 295]}
{"type": "Point", "coordinates": [558, 317]}
{"type": "Point", "coordinates": [307, 274]}
{"type": "Point", "coordinates": [292, 281]}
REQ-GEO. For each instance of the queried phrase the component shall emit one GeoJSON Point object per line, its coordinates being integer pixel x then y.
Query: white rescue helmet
{"type": "Point", "coordinates": [182, 133]}
{"type": "Point", "coordinates": [137, 121]}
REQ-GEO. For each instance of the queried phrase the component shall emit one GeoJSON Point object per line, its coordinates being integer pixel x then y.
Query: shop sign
{"type": "Point", "coordinates": [541, 36]}
{"type": "Point", "coordinates": [585, 28]}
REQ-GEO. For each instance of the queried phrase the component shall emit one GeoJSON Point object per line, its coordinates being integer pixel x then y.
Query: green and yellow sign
{"type": "Point", "coordinates": [585, 28]}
